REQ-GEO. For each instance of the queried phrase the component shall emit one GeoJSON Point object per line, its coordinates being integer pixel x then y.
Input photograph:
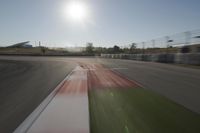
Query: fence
{"type": "Point", "coordinates": [179, 39]}
{"type": "Point", "coordinates": [179, 58]}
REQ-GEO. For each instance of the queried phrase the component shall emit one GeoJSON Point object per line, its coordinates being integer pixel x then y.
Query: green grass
{"type": "Point", "coordinates": [138, 111]}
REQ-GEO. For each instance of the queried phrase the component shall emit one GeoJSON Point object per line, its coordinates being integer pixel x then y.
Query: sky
{"type": "Point", "coordinates": [108, 22]}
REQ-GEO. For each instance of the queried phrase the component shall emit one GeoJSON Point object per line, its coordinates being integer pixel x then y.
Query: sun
{"type": "Point", "coordinates": [76, 11]}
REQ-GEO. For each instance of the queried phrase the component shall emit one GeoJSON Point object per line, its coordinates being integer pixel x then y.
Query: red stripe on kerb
{"type": "Point", "coordinates": [100, 77]}
{"type": "Point", "coordinates": [76, 84]}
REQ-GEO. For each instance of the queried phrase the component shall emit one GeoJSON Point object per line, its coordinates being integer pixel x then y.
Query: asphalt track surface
{"type": "Point", "coordinates": [24, 85]}
{"type": "Point", "coordinates": [26, 81]}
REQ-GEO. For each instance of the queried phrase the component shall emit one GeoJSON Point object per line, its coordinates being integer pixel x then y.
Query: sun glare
{"type": "Point", "coordinates": [76, 11]}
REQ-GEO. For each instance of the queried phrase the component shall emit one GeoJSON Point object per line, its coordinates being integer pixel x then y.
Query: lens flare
{"type": "Point", "coordinates": [76, 11]}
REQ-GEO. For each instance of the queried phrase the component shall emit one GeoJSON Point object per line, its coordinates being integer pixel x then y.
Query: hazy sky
{"type": "Point", "coordinates": [109, 22]}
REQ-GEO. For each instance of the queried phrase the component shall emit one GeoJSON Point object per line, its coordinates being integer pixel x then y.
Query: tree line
{"type": "Point", "coordinates": [90, 49]}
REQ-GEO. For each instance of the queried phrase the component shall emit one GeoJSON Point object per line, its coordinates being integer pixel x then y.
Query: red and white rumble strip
{"type": "Point", "coordinates": [66, 109]}
{"type": "Point", "coordinates": [67, 112]}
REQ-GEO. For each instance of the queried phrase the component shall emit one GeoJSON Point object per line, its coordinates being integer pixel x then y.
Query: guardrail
{"type": "Point", "coordinates": [179, 58]}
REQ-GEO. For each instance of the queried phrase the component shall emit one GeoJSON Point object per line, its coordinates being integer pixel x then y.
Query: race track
{"type": "Point", "coordinates": [26, 81]}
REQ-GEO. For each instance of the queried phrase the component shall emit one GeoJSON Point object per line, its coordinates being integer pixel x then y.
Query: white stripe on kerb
{"type": "Point", "coordinates": [61, 112]}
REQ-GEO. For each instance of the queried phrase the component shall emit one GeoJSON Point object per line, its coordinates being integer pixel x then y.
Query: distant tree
{"type": "Point", "coordinates": [109, 50]}
{"type": "Point", "coordinates": [89, 48]}
{"type": "Point", "coordinates": [133, 47]}
{"type": "Point", "coordinates": [99, 50]}
{"type": "Point", "coordinates": [116, 49]}
{"type": "Point", "coordinates": [126, 50]}
{"type": "Point", "coordinates": [43, 50]}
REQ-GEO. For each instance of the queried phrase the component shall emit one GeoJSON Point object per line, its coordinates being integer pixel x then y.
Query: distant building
{"type": "Point", "coordinates": [21, 45]}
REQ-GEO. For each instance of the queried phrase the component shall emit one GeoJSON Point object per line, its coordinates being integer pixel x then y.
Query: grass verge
{"type": "Point", "coordinates": [138, 111]}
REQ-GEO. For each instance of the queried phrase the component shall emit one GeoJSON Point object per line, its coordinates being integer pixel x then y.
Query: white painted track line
{"type": "Point", "coordinates": [68, 111]}
{"type": "Point", "coordinates": [26, 124]}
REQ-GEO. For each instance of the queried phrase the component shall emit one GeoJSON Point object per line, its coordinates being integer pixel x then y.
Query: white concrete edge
{"type": "Point", "coordinates": [89, 120]}
{"type": "Point", "coordinates": [27, 123]}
